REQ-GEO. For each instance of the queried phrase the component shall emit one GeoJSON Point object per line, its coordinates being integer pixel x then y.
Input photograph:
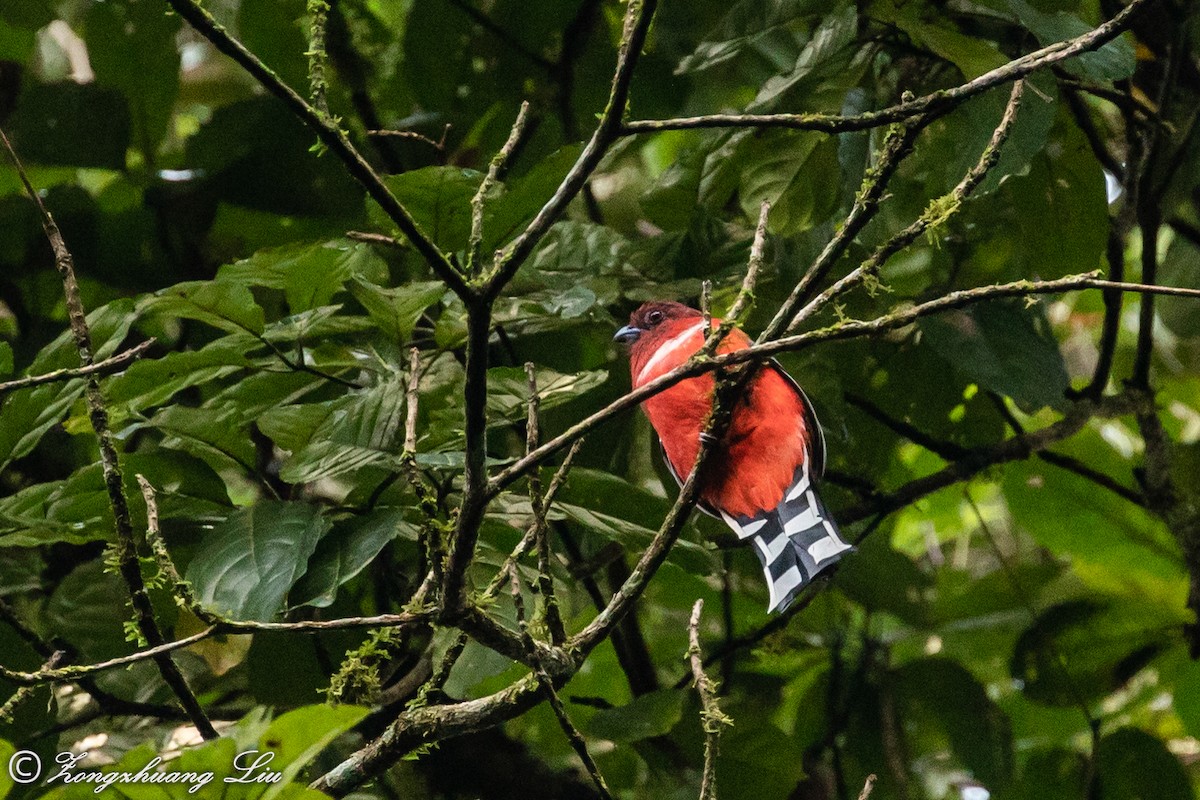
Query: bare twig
{"type": "Point", "coordinates": [126, 550]}
{"type": "Point", "coordinates": [637, 23]}
{"type": "Point", "coordinates": [868, 786]}
{"type": "Point", "coordinates": [182, 590]}
{"type": "Point", "coordinates": [318, 12]}
{"type": "Point", "coordinates": [745, 297]}
{"type": "Point", "coordinates": [540, 508]}
{"type": "Point", "coordinates": [106, 367]}
{"type": "Point", "coordinates": [547, 686]}
{"type": "Point", "coordinates": [832, 123]}
{"type": "Point", "coordinates": [938, 212]}
{"type": "Point", "coordinates": [711, 717]}
{"type": "Point", "coordinates": [495, 174]}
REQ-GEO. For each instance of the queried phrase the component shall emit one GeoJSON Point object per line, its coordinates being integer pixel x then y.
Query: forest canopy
{"type": "Point", "coordinates": [315, 441]}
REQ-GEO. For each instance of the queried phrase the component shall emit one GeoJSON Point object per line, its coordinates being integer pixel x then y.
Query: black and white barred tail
{"type": "Point", "coordinates": [794, 541]}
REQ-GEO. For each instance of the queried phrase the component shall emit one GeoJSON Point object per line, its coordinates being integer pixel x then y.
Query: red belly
{"type": "Point", "coordinates": [760, 454]}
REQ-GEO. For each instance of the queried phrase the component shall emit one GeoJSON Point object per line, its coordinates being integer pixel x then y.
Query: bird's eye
{"type": "Point", "coordinates": [654, 317]}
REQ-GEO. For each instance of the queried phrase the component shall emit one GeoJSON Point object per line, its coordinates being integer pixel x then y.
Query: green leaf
{"type": "Point", "coordinates": [27, 415]}
{"type": "Point", "coordinates": [1005, 347]}
{"type": "Point", "coordinates": [646, 716]}
{"type": "Point", "coordinates": [396, 311]}
{"type": "Point", "coordinates": [131, 46]}
{"type": "Point", "coordinates": [1133, 765]}
{"type": "Point", "coordinates": [206, 432]}
{"type": "Point", "coordinates": [752, 27]}
{"type": "Point", "coordinates": [1113, 62]}
{"type": "Point", "coordinates": [948, 704]}
{"type": "Point", "coordinates": [222, 304]}
{"type": "Point", "coordinates": [797, 172]}
{"type": "Point", "coordinates": [1180, 267]}
{"type": "Point", "coordinates": [7, 751]}
{"type": "Point", "coordinates": [1187, 696]}
{"type": "Point", "coordinates": [345, 551]}
{"type": "Point", "coordinates": [508, 389]}
{"type": "Point", "coordinates": [1082, 650]}
{"type": "Point", "coordinates": [6, 359]}
{"type": "Point", "coordinates": [836, 33]}
{"type": "Point", "coordinates": [246, 566]}
{"type": "Point", "coordinates": [309, 274]}
{"type": "Point", "coordinates": [299, 736]}
{"type": "Point", "coordinates": [151, 382]}
{"type": "Point", "coordinates": [439, 200]}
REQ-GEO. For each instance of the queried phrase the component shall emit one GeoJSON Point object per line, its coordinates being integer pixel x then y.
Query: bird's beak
{"type": "Point", "coordinates": [627, 335]}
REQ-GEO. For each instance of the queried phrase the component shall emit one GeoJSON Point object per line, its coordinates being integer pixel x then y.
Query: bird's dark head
{"type": "Point", "coordinates": [652, 324]}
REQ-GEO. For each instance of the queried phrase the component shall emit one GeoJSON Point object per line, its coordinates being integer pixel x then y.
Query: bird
{"type": "Point", "coordinates": [764, 482]}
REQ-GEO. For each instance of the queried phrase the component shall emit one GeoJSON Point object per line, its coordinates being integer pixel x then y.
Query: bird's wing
{"type": "Point", "coordinates": [700, 504]}
{"type": "Point", "coordinates": [812, 425]}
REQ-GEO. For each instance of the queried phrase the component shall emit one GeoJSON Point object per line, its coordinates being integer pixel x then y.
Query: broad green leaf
{"type": "Point", "coordinates": [439, 200]}
{"type": "Point", "coordinates": [246, 566]}
{"type": "Point", "coordinates": [1133, 765]}
{"type": "Point", "coordinates": [132, 48]}
{"type": "Point", "coordinates": [223, 304]}
{"type": "Point", "coordinates": [1180, 267]}
{"type": "Point", "coordinates": [396, 311]}
{"type": "Point", "coordinates": [309, 274]}
{"type": "Point", "coordinates": [207, 433]}
{"type": "Point", "coordinates": [1187, 696]}
{"type": "Point", "coordinates": [752, 26]}
{"type": "Point", "coordinates": [1113, 62]}
{"type": "Point", "coordinates": [644, 717]}
{"type": "Point", "coordinates": [6, 359]}
{"type": "Point", "coordinates": [150, 382]}
{"type": "Point", "coordinates": [1004, 347]}
{"type": "Point", "coordinates": [6, 753]}
{"type": "Point", "coordinates": [795, 171]}
{"type": "Point", "coordinates": [349, 547]}
{"type": "Point", "coordinates": [835, 34]}
{"type": "Point", "coordinates": [952, 707]}
{"type": "Point", "coordinates": [299, 736]}
{"type": "Point", "coordinates": [26, 415]}
{"type": "Point", "coordinates": [508, 389]}
{"type": "Point", "coordinates": [1081, 650]}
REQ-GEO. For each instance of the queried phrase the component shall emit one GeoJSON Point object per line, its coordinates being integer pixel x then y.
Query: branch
{"type": "Point", "coordinates": [126, 551]}
{"type": "Point", "coordinates": [637, 23]}
{"type": "Point", "coordinates": [896, 147]}
{"type": "Point", "coordinates": [495, 173]}
{"type": "Point", "coordinates": [937, 213]}
{"type": "Point", "coordinates": [937, 101]}
{"type": "Point", "coordinates": [556, 704]}
{"type": "Point", "coordinates": [712, 719]}
{"type": "Point", "coordinates": [106, 367]}
{"type": "Point", "coordinates": [331, 136]}
{"type": "Point", "coordinates": [849, 329]}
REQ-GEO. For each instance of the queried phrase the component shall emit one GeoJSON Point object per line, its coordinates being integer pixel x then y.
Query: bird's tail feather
{"type": "Point", "coordinates": [794, 541]}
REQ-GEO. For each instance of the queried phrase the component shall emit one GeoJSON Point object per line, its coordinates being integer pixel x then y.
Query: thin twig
{"type": "Point", "coordinates": [106, 367]}
{"type": "Point", "coordinates": [126, 551]}
{"type": "Point", "coordinates": [833, 123]}
{"type": "Point", "coordinates": [318, 12]}
{"type": "Point", "coordinates": [868, 786]}
{"type": "Point", "coordinates": [547, 686]}
{"type": "Point", "coordinates": [637, 23]}
{"type": "Point", "coordinates": [745, 296]}
{"type": "Point", "coordinates": [540, 508]}
{"type": "Point", "coordinates": [495, 174]}
{"type": "Point", "coordinates": [712, 719]}
{"type": "Point", "coordinates": [937, 213]}
{"type": "Point", "coordinates": [184, 595]}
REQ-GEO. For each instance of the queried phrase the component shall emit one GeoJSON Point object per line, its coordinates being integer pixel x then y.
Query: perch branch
{"type": "Point", "coordinates": [108, 366]}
